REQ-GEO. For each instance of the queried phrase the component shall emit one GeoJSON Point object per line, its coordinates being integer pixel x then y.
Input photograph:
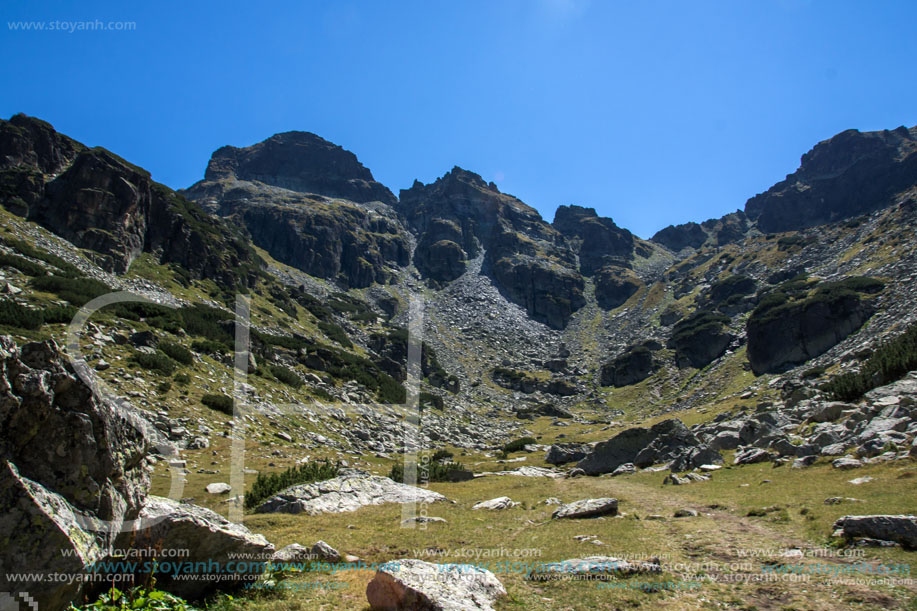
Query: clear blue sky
{"type": "Point", "coordinates": [651, 112]}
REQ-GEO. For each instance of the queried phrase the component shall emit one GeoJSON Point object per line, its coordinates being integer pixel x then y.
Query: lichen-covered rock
{"type": "Point", "coordinates": [898, 528]}
{"type": "Point", "coordinates": [42, 536]}
{"type": "Point", "coordinates": [345, 493]}
{"type": "Point", "coordinates": [415, 585]}
{"type": "Point", "coordinates": [211, 541]}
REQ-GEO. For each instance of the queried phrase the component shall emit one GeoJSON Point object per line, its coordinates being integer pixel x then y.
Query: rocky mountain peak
{"type": "Point", "coordinates": [848, 175]}
{"type": "Point", "coordinates": [598, 240]}
{"type": "Point", "coordinates": [299, 161]}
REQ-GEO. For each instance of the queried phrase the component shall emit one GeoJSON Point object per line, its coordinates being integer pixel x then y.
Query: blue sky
{"type": "Point", "coordinates": [652, 112]}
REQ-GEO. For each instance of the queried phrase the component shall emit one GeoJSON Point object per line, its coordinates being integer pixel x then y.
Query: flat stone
{"type": "Point", "coordinates": [587, 508]}
{"type": "Point", "coordinates": [218, 488]}
{"type": "Point", "coordinates": [345, 493]}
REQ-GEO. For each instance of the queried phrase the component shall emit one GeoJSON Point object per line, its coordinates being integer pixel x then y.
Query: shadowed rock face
{"type": "Point", "coordinates": [803, 331]}
{"type": "Point", "coordinates": [279, 189]}
{"type": "Point", "coordinates": [459, 216]}
{"type": "Point", "coordinates": [597, 240]}
{"type": "Point", "coordinates": [299, 161]}
{"type": "Point", "coordinates": [98, 201]}
{"type": "Point", "coordinates": [848, 175]}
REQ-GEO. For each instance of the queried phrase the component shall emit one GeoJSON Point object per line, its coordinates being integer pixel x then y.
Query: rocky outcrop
{"type": "Point", "coordinates": [597, 240]}
{"type": "Point", "coordinates": [563, 453]}
{"type": "Point", "coordinates": [333, 240]}
{"type": "Point", "coordinates": [678, 237]}
{"type": "Point", "coordinates": [101, 202]}
{"type": "Point", "coordinates": [851, 174]}
{"type": "Point", "coordinates": [345, 493]}
{"type": "Point", "coordinates": [784, 332]}
{"type": "Point", "coordinates": [459, 216]}
{"type": "Point", "coordinates": [728, 229]}
{"type": "Point", "coordinates": [72, 470]}
{"type": "Point", "coordinates": [700, 339]}
{"type": "Point", "coordinates": [409, 585]}
{"type": "Point", "coordinates": [643, 447]}
{"type": "Point", "coordinates": [899, 529]}
{"type": "Point", "coordinates": [634, 365]}
{"type": "Point", "coordinates": [614, 285]}
{"type": "Point", "coordinates": [302, 162]}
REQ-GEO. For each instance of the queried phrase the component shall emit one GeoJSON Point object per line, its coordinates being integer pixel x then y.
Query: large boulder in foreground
{"type": "Point", "coordinates": [212, 542]}
{"type": "Point", "coordinates": [72, 471]}
{"type": "Point", "coordinates": [415, 585]}
{"type": "Point", "coordinates": [41, 533]}
{"type": "Point", "coordinates": [899, 529]}
{"type": "Point", "coordinates": [345, 493]}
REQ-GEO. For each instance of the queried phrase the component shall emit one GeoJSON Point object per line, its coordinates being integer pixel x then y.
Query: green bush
{"type": "Point", "coordinates": [176, 352]}
{"type": "Point", "coordinates": [78, 291]}
{"type": "Point", "coordinates": [182, 378]}
{"type": "Point", "coordinates": [335, 333]}
{"type": "Point", "coordinates": [156, 362]}
{"type": "Point", "coordinates": [24, 265]}
{"type": "Point", "coordinates": [220, 403]}
{"type": "Point", "coordinates": [432, 400]}
{"type": "Point", "coordinates": [890, 361]}
{"type": "Point", "coordinates": [442, 454]}
{"type": "Point", "coordinates": [430, 472]}
{"type": "Point", "coordinates": [518, 444]}
{"type": "Point", "coordinates": [19, 316]}
{"type": "Point", "coordinates": [209, 346]}
{"type": "Point", "coordinates": [285, 375]}
{"type": "Point", "coordinates": [203, 321]}
{"type": "Point", "coordinates": [267, 485]}
{"type": "Point", "coordinates": [164, 387]}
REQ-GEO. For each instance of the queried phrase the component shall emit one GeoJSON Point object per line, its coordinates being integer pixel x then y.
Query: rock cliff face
{"type": "Point", "coordinates": [302, 162]}
{"type": "Point", "coordinates": [848, 175]}
{"type": "Point", "coordinates": [460, 216]}
{"type": "Point", "coordinates": [597, 240]}
{"type": "Point", "coordinates": [98, 201]}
